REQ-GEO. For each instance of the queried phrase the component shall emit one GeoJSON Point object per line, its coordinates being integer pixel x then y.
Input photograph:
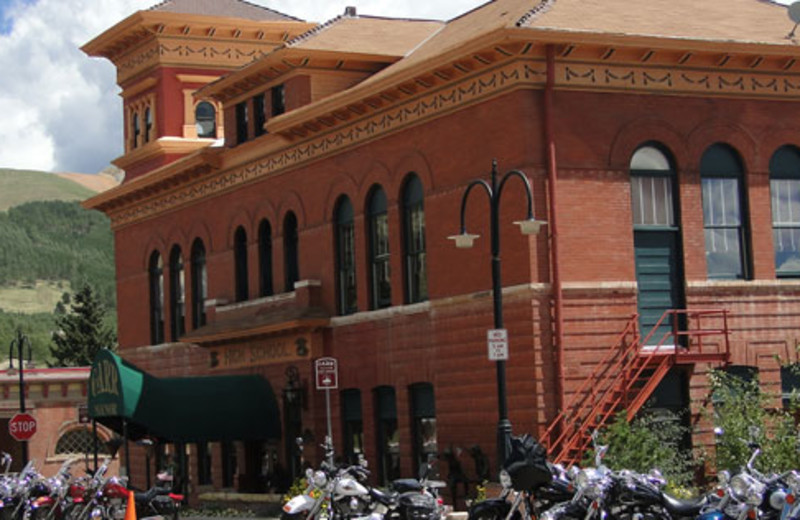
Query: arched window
{"type": "Point", "coordinates": [416, 273]}
{"type": "Point", "coordinates": [137, 130]}
{"type": "Point", "coordinates": [205, 120]}
{"type": "Point", "coordinates": [148, 124]}
{"type": "Point", "coordinates": [784, 187]}
{"type": "Point", "coordinates": [652, 185]}
{"type": "Point", "coordinates": [199, 284]}
{"type": "Point", "coordinates": [156, 276]}
{"type": "Point", "coordinates": [656, 239]}
{"type": "Point", "coordinates": [724, 213]}
{"type": "Point", "coordinates": [177, 295]}
{"type": "Point", "coordinates": [265, 258]}
{"type": "Point", "coordinates": [240, 264]}
{"type": "Point", "coordinates": [291, 251]}
{"type": "Point", "coordinates": [79, 442]}
{"type": "Point", "coordinates": [345, 256]}
{"type": "Point", "coordinates": [378, 233]}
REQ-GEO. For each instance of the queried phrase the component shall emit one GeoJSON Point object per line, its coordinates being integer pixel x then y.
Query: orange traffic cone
{"type": "Point", "coordinates": [130, 511]}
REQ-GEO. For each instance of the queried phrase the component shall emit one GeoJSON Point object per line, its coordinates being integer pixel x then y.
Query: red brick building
{"type": "Point", "coordinates": [290, 189]}
{"type": "Point", "coordinates": [54, 397]}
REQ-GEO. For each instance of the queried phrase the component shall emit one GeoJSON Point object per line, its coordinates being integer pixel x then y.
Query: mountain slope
{"type": "Point", "coordinates": [51, 246]}
{"type": "Point", "coordinates": [20, 186]}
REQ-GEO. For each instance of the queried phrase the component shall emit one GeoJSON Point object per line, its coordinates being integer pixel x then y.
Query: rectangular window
{"type": "Point", "coordinates": [722, 217]}
{"type": "Point", "coordinates": [352, 425]}
{"type": "Point", "coordinates": [785, 195]}
{"type": "Point", "coordinates": [229, 464]}
{"type": "Point", "coordinates": [203, 464]}
{"type": "Point", "coordinates": [652, 202]}
{"type": "Point", "coordinates": [278, 100]}
{"type": "Point", "coordinates": [259, 115]}
{"type": "Point", "coordinates": [241, 122]}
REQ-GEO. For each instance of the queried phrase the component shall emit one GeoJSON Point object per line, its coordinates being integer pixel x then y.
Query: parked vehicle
{"type": "Point", "coordinates": [419, 498]}
{"type": "Point", "coordinates": [338, 493]}
{"type": "Point", "coordinates": [531, 485]}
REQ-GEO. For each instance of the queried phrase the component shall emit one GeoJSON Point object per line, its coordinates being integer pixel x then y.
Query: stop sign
{"type": "Point", "coordinates": [22, 426]}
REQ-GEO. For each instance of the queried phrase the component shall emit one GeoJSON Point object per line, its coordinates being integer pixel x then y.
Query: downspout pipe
{"type": "Point", "coordinates": [552, 177]}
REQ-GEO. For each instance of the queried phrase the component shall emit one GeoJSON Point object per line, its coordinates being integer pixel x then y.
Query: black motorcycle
{"type": "Point", "coordinates": [531, 485]}
{"type": "Point", "coordinates": [159, 500]}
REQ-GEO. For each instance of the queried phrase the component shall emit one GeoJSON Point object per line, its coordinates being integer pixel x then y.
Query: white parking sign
{"type": "Point", "coordinates": [497, 340]}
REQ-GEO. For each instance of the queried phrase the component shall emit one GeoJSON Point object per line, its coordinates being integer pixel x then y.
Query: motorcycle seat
{"type": "Point", "coordinates": [401, 485]}
{"type": "Point", "coordinates": [684, 507]}
{"type": "Point", "coordinates": [150, 494]}
{"type": "Point", "coordinates": [387, 499]}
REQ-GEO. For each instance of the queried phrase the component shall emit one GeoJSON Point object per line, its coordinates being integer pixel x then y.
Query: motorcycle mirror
{"type": "Point", "coordinates": [718, 431]}
{"type": "Point", "coordinates": [753, 432]}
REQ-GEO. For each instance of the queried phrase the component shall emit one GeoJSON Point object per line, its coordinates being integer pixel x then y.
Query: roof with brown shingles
{"type": "Point", "coordinates": [751, 21]}
{"type": "Point", "coordinates": [723, 21]}
{"type": "Point", "coordinates": [228, 8]}
{"type": "Point", "coordinates": [367, 35]}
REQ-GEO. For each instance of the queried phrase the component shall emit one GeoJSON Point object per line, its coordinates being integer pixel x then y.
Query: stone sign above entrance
{"type": "Point", "coordinates": [266, 352]}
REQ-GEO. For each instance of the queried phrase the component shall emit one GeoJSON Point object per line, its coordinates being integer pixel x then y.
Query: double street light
{"type": "Point", "coordinates": [529, 226]}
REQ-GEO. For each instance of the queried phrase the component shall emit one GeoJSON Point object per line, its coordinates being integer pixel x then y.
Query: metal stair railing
{"type": "Point", "coordinates": [626, 378]}
{"type": "Point", "coordinates": [563, 425]}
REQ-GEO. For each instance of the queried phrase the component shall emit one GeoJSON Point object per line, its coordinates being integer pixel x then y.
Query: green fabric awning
{"type": "Point", "coordinates": [186, 409]}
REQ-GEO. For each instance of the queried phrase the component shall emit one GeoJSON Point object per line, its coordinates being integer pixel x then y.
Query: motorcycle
{"type": "Point", "coordinates": [531, 485]}
{"type": "Point", "coordinates": [624, 495]}
{"type": "Point", "coordinates": [104, 498]}
{"type": "Point", "coordinates": [419, 499]}
{"type": "Point", "coordinates": [337, 493]}
{"type": "Point", "coordinates": [159, 500]}
{"type": "Point", "coordinates": [56, 504]}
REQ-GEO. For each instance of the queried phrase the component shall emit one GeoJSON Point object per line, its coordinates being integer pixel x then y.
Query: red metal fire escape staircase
{"type": "Point", "coordinates": [629, 373]}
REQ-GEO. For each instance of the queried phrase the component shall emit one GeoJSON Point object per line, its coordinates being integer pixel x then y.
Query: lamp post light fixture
{"type": "Point", "coordinates": [529, 226]}
{"type": "Point", "coordinates": [19, 343]}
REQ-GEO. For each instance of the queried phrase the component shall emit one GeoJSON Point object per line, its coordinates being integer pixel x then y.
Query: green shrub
{"type": "Point", "coordinates": [743, 412]}
{"type": "Point", "coordinates": [650, 441]}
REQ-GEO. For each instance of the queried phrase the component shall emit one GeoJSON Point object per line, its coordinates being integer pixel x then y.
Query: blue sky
{"type": "Point", "coordinates": [62, 111]}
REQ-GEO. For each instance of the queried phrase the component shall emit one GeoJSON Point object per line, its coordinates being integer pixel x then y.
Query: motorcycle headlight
{"type": "Point", "coordinates": [756, 494]}
{"type": "Point", "coordinates": [310, 475]}
{"type": "Point", "coordinates": [723, 477]}
{"type": "Point", "coordinates": [745, 488]}
{"type": "Point", "coordinates": [739, 485]}
{"type": "Point", "coordinates": [585, 477]}
{"type": "Point", "coordinates": [505, 479]}
{"type": "Point", "coordinates": [777, 499]}
{"type": "Point", "coordinates": [320, 479]}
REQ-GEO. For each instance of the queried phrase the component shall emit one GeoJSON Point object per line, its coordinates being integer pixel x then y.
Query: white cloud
{"type": "Point", "coordinates": [61, 109]}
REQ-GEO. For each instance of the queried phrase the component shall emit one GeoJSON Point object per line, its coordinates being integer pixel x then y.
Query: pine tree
{"type": "Point", "coordinates": [82, 332]}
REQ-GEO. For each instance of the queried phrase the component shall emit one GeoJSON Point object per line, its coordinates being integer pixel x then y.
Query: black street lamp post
{"type": "Point", "coordinates": [529, 226]}
{"type": "Point", "coordinates": [19, 343]}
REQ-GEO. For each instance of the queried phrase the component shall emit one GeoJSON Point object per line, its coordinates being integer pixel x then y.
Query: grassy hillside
{"type": "Point", "coordinates": [51, 246]}
{"type": "Point", "coordinates": [20, 186]}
